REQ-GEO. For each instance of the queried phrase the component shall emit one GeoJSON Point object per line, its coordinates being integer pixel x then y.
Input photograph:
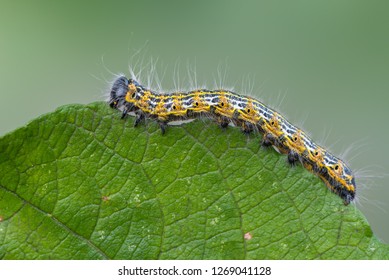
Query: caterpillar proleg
{"type": "Point", "coordinates": [225, 107]}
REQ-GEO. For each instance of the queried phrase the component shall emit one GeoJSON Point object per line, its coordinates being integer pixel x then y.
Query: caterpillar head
{"type": "Point", "coordinates": [118, 92]}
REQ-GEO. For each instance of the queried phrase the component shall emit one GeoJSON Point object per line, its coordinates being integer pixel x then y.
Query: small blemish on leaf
{"type": "Point", "coordinates": [102, 234]}
{"type": "Point", "coordinates": [214, 221]}
{"type": "Point", "coordinates": [131, 248]}
{"type": "Point", "coordinates": [105, 198]}
{"type": "Point", "coordinates": [248, 236]}
{"type": "Point", "coordinates": [136, 198]}
{"type": "Point", "coordinates": [1, 218]}
{"type": "Point", "coordinates": [371, 248]}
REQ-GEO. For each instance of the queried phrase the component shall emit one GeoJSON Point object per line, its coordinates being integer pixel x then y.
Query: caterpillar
{"type": "Point", "coordinates": [226, 107]}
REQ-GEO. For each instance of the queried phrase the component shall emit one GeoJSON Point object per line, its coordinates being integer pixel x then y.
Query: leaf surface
{"type": "Point", "coordinates": [80, 183]}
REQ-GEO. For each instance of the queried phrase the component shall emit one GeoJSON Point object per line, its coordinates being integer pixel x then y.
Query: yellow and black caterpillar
{"type": "Point", "coordinates": [246, 112]}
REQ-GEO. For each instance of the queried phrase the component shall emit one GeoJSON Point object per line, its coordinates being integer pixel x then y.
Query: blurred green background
{"type": "Point", "coordinates": [323, 64]}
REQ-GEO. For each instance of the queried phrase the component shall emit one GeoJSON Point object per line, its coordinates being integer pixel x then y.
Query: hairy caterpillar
{"type": "Point", "coordinates": [248, 113]}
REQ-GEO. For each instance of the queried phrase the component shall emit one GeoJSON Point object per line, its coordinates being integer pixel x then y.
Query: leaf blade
{"type": "Point", "coordinates": [80, 183]}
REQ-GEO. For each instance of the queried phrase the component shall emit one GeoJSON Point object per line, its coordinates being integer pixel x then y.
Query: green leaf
{"type": "Point", "coordinates": [81, 183]}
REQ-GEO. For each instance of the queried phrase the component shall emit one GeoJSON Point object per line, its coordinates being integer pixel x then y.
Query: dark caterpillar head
{"type": "Point", "coordinates": [118, 92]}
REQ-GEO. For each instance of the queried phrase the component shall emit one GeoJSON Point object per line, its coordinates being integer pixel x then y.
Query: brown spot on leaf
{"type": "Point", "coordinates": [248, 236]}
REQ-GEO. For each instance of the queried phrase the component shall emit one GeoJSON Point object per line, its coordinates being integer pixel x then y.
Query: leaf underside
{"type": "Point", "coordinates": [80, 183]}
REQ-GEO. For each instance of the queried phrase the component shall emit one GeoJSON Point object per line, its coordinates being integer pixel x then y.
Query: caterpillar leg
{"type": "Point", "coordinates": [293, 157]}
{"type": "Point", "coordinates": [124, 114]}
{"type": "Point", "coordinates": [162, 126]}
{"type": "Point", "coordinates": [139, 117]}
{"type": "Point", "coordinates": [223, 122]}
{"type": "Point", "coordinates": [247, 128]}
{"type": "Point", "coordinates": [268, 140]}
